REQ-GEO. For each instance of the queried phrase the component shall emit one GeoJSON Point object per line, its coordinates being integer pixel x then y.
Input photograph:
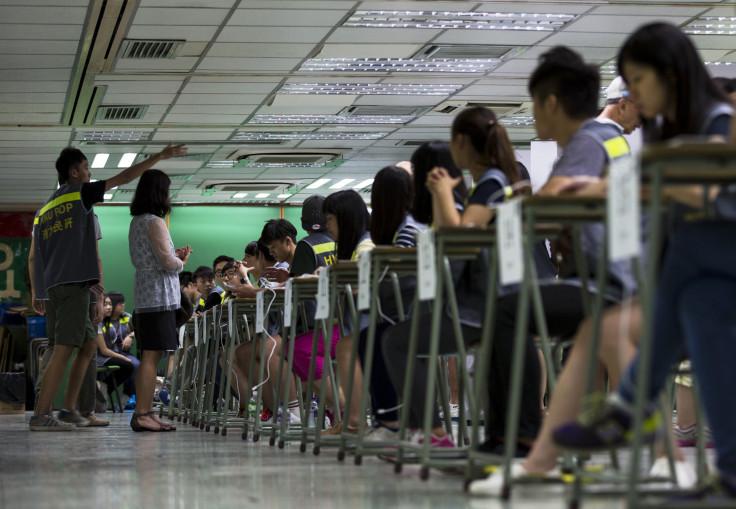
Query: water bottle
{"type": "Point", "coordinates": [313, 413]}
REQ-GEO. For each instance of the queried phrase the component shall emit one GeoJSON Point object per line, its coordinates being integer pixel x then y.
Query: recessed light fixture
{"type": "Point", "coordinates": [369, 89]}
{"type": "Point", "coordinates": [107, 196]}
{"type": "Point", "coordinates": [283, 196]}
{"type": "Point", "coordinates": [267, 136]}
{"type": "Point", "coordinates": [364, 183]}
{"type": "Point", "coordinates": [112, 135]}
{"type": "Point", "coordinates": [341, 183]}
{"type": "Point", "coordinates": [517, 121]}
{"type": "Point", "coordinates": [542, 22]}
{"type": "Point", "coordinates": [318, 183]}
{"type": "Point", "coordinates": [378, 65]}
{"type": "Point", "coordinates": [240, 195]}
{"type": "Point", "coordinates": [719, 63]}
{"type": "Point", "coordinates": [711, 25]}
{"type": "Point", "coordinates": [127, 160]}
{"type": "Point", "coordinates": [262, 195]}
{"type": "Point", "coordinates": [330, 119]}
{"type": "Point", "coordinates": [100, 160]}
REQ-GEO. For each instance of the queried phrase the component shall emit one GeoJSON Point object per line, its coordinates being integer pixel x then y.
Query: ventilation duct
{"type": "Point", "coordinates": [248, 186]}
{"type": "Point", "coordinates": [107, 21]}
{"type": "Point", "coordinates": [465, 51]}
{"type": "Point", "coordinates": [317, 158]}
{"type": "Point", "coordinates": [500, 108]}
{"type": "Point", "coordinates": [108, 113]}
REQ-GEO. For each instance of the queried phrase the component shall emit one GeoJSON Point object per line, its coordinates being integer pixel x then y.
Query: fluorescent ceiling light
{"type": "Point", "coordinates": [377, 65]}
{"type": "Point", "coordinates": [365, 183]}
{"type": "Point", "coordinates": [231, 164]}
{"type": "Point", "coordinates": [127, 160]}
{"type": "Point", "coordinates": [107, 196]}
{"type": "Point", "coordinates": [318, 183]}
{"type": "Point", "coordinates": [712, 25]}
{"type": "Point", "coordinates": [285, 119]}
{"type": "Point", "coordinates": [610, 68]}
{"type": "Point", "coordinates": [543, 22]}
{"type": "Point", "coordinates": [112, 135]}
{"type": "Point", "coordinates": [240, 195]}
{"type": "Point", "coordinates": [262, 195]}
{"type": "Point", "coordinates": [340, 184]}
{"type": "Point", "coordinates": [293, 135]}
{"type": "Point", "coordinates": [719, 63]}
{"type": "Point", "coordinates": [283, 196]}
{"type": "Point", "coordinates": [100, 160]}
{"type": "Point", "coordinates": [369, 89]}
{"type": "Point", "coordinates": [517, 121]}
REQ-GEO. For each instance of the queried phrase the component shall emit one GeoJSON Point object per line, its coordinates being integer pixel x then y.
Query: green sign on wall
{"type": "Point", "coordinates": [13, 259]}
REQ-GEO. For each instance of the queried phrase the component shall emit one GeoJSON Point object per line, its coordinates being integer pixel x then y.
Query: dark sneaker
{"type": "Point", "coordinates": [606, 425]}
{"type": "Point", "coordinates": [73, 417]}
{"type": "Point", "coordinates": [95, 421]}
{"type": "Point", "coordinates": [47, 422]}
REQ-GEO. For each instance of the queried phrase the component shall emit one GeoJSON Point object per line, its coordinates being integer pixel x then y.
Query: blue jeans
{"type": "Point", "coordinates": [694, 313]}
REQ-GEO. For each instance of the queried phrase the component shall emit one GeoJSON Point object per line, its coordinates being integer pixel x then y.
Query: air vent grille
{"type": "Point", "coordinates": [150, 49]}
{"type": "Point", "coordinates": [463, 51]}
{"type": "Point", "coordinates": [109, 113]}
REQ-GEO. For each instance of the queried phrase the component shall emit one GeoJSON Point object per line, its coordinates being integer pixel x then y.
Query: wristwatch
{"type": "Point", "coordinates": [242, 280]}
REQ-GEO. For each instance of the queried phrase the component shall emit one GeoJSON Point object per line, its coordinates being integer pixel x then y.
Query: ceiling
{"type": "Point", "coordinates": [236, 89]}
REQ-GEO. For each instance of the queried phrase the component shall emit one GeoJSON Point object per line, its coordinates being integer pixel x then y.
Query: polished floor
{"type": "Point", "coordinates": [114, 467]}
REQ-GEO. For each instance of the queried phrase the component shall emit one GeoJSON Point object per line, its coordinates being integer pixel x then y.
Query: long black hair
{"type": "Point", "coordinates": [115, 299]}
{"type": "Point", "coordinates": [152, 194]}
{"type": "Point", "coordinates": [672, 55]}
{"type": "Point", "coordinates": [352, 220]}
{"type": "Point", "coordinates": [488, 138]}
{"type": "Point", "coordinates": [427, 156]}
{"type": "Point", "coordinates": [391, 200]}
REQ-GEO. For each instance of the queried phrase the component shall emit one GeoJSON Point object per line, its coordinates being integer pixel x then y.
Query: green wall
{"type": "Point", "coordinates": [210, 230]}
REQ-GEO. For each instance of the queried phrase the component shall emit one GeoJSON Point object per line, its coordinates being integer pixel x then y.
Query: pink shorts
{"type": "Point", "coordinates": [303, 352]}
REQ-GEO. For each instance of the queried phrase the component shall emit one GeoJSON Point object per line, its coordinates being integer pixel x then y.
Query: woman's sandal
{"type": "Point", "coordinates": [137, 427]}
{"type": "Point", "coordinates": [167, 427]}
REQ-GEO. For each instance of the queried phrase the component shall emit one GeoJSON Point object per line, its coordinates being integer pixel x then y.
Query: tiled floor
{"type": "Point", "coordinates": [114, 467]}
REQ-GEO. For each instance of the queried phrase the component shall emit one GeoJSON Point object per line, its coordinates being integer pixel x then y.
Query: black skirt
{"type": "Point", "coordinates": [156, 330]}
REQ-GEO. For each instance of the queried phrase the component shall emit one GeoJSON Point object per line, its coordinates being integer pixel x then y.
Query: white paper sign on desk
{"type": "Point", "coordinates": [288, 291]}
{"type": "Point", "coordinates": [364, 281]}
{"type": "Point", "coordinates": [323, 295]}
{"type": "Point", "coordinates": [624, 217]}
{"type": "Point", "coordinates": [259, 312]}
{"type": "Point", "coordinates": [426, 265]}
{"type": "Point", "coordinates": [509, 242]}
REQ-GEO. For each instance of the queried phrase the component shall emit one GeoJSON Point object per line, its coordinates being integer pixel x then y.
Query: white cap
{"type": "Point", "coordinates": [617, 89]}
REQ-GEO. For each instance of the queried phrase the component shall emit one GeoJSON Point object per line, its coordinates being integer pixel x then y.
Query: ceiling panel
{"type": "Point", "coordinates": [268, 35]}
{"type": "Point", "coordinates": [236, 56]}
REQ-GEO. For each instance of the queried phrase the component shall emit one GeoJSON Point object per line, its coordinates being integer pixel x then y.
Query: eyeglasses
{"type": "Point", "coordinates": [229, 274]}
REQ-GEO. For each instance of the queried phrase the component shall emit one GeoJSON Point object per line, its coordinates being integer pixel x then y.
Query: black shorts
{"type": "Point", "coordinates": [156, 330]}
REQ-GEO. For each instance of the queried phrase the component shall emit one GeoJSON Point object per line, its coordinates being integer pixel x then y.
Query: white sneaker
{"type": "Point", "coordinates": [685, 473]}
{"type": "Point", "coordinates": [381, 434]}
{"type": "Point", "coordinates": [492, 485]}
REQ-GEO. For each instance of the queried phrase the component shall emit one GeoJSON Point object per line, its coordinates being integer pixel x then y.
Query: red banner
{"type": "Point", "coordinates": [16, 224]}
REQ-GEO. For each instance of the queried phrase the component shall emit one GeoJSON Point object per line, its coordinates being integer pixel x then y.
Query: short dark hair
{"type": "Point", "coordinates": [185, 277]}
{"type": "Point", "coordinates": [263, 249]}
{"type": "Point", "coordinates": [666, 49]}
{"type": "Point", "coordinates": [563, 73]}
{"type": "Point", "coordinates": [424, 159]}
{"type": "Point", "coordinates": [391, 200]}
{"type": "Point", "coordinates": [352, 220]}
{"type": "Point", "coordinates": [728, 85]}
{"type": "Point", "coordinates": [152, 194]}
{"type": "Point", "coordinates": [277, 229]}
{"type": "Point", "coordinates": [203, 272]}
{"type": "Point", "coordinates": [68, 158]}
{"type": "Point", "coordinates": [222, 258]}
{"type": "Point", "coordinates": [252, 248]}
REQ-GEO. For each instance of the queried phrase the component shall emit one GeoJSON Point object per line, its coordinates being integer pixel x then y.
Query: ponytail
{"type": "Point", "coordinates": [489, 139]}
